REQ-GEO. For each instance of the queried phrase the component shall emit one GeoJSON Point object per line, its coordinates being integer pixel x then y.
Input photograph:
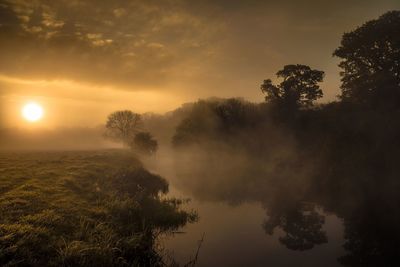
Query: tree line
{"type": "Point", "coordinates": [300, 154]}
{"type": "Point", "coordinates": [370, 91]}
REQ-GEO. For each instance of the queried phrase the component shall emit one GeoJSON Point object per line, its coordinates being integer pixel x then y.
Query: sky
{"type": "Point", "coordinates": [82, 59]}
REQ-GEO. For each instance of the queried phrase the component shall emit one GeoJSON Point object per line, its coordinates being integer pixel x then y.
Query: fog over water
{"type": "Point", "coordinates": [265, 194]}
{"type": "Point", "coordinates": [233, 228]}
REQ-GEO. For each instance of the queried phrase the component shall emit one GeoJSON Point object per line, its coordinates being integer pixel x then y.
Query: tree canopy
{"type": "Point", "coordinates": [299, 87]}
{"type": "Point", "coordinates": [123, 125]}
{"type": "Point", "coordinates": [145, 143]}
{"type": "Point", "coordinates": [370, 59]}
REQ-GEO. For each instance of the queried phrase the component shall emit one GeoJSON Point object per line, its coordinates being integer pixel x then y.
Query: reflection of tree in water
{"type": "Point", "coordinates": [372, 233]}
{"type": "Point", "coordinates": [369, 244]}
{"type": "Point", "coordinates": [301, 224]}
{"type": "Point", "coordinates": [353, 186]}
{"type": "Point", "coordinates": [343, 156]}
{"type": "Point", "coordinates": [371, 220]}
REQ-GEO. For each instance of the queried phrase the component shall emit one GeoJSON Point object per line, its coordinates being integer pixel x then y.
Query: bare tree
{"type": "Point", "coordinates": [123, 125]}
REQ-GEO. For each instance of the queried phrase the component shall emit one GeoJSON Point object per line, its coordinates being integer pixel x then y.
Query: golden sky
{"type": "Point", "coordinates": [82, 59]}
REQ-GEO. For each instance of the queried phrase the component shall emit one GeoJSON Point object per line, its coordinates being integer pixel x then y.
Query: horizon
{"type": "Point", "coordinates": [158, 55]}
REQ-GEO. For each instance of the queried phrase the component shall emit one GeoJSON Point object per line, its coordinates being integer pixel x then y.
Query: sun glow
{"type": "Point", "coordinates": [32, 112]}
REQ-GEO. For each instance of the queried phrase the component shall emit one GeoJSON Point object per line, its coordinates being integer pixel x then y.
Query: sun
{"type": "Point", "coordinates": [32, 112]}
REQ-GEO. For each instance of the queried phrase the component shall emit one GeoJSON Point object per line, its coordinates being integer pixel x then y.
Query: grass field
{"type": "Point", "coordinates": [99, 208]}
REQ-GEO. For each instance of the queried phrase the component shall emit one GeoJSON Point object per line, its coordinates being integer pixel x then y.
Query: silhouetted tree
{"type": "Point", "coordinates": [145, 143]}
{"type": "Point", "coordinates": [371, 61]}
{"type": "Point", "coordinates": [299, 87]}
{"type": "Point", "coordinates": [123, 125]}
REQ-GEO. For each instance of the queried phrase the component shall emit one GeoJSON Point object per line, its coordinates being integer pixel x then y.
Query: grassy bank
{"type": "Point", "coordinates": [83, 209]}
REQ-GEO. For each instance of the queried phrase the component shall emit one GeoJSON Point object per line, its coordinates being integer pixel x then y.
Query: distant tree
{"type": "Point", "coordinates": [123, 125]}
{"type": "Point", "coordinates": [371, 61]}
{"type": "Point", "coordinates": [233, 114]}
{"type": "Point", "coordinates": [299, 87]}
{"type": "Point", "coordinates": [199, 123]}
{"type": "Point", "coordinates": [145, 143]}
{"type": "Point", "coordinates": [215, 119]}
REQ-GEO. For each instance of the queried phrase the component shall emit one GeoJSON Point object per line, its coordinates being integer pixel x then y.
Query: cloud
{"type": "Point", "coordinates": [89, 40]}
{"type": "Point", "coordinates": [220, 47]}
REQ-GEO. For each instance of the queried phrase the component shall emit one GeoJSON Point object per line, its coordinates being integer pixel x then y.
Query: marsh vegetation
{"type": "Point", "coordinates": [84, 209]}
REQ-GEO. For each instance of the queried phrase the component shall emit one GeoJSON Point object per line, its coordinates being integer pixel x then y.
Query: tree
{"type": "Point", "coordinates": [123, 125]}
{"type": "Point", "coordinates": [145, 143]}
{"type": "Point", "coordinates": [370, 59]}
{"type": "Point", "coordinates": [299, 87]}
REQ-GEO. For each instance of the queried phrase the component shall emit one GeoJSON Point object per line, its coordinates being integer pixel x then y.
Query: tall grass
{"type": "Point", "coordinates": [84, 209]}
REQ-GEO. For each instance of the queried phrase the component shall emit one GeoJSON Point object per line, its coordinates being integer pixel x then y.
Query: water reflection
{"type": "Point", "coordinates": [371, 232]}
{"type": "Point", "coordinates": [300, 222]}
{"type": "Point", "coordinates": [295, 212]}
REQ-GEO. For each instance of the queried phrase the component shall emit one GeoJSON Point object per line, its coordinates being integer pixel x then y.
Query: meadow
{"type": "Point", "coordinates": [97, 208]}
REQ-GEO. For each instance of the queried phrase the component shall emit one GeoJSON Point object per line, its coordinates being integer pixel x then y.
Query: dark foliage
{"type": "Point", "coordinates": [342, 156]}
{"type": "Point", "coordinates": [299, 87]}
{"type": "Point", "coordinates": [208, 121]}
{"type": "Point", "coordinates": [371, 62]}
{"type": "Point", "coordinates": [145, 143]}
{"type": "Point", "coordinates": [123, 125]}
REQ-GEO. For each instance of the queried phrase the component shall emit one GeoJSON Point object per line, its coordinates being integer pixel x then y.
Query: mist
{"type": "Point", "coordinates": [199, 133]}
{"type": "Point", "coordinates": [54, 139]}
